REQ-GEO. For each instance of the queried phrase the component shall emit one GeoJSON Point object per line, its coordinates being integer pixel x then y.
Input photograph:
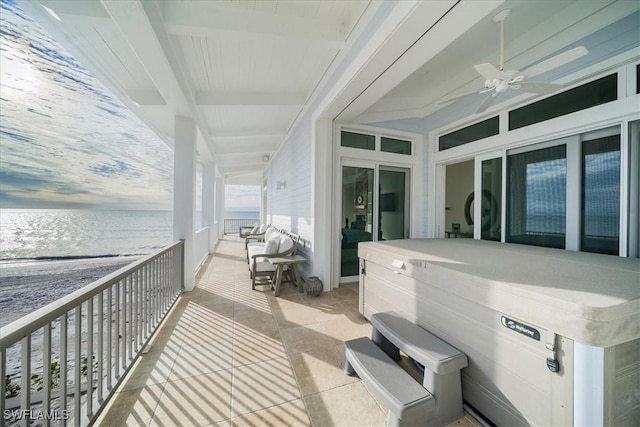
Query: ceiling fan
{"type": "Point", "coordinates": [500, 80]}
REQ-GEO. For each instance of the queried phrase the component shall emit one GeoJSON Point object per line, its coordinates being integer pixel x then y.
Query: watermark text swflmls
{"type": "Point", "coordinates": [30, 414]}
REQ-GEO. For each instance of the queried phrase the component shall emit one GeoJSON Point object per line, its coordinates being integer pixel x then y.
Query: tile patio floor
{"type": "Point", "coordinates": [230, 356]}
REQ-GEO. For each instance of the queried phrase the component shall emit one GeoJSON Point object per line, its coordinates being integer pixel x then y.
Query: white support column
{"type": "Point", "coordinates": [184, 193]}
{"type": "Point", "coordinates": [588, 386]}
{"type": "Point", "coordinates": [220, 205]}
{"type": "Point", "coordinates": [209, 202]}
{"type": "Point", "coordinates": [322, 202]}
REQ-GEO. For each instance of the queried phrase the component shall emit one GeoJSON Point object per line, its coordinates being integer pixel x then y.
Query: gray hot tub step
{"type": "Point", "coordinates": [407, 400]}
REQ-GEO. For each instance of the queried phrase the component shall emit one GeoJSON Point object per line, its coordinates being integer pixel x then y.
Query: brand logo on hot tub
{"type": "Point", "coordinates": [521, 328]}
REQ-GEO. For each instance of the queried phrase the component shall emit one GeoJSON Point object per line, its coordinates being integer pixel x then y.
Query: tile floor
{"type": "Point", "coordinates": [227, 355]}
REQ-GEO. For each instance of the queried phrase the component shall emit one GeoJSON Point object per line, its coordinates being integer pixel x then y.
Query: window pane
{"type": "Point", "coordinates": [601, 195]}
{"type": "Point", "coordinates": [471, 133]}
{"type": "Point", "coordinates": [537, 197]}
{"type": "Point", "coordinates": [491, 199]}
{"type": "Point", "coordinates": [357, 213]}
{"type": "Point", "coordinates": [358, 140]}
{"type": "Point", "coordinates": [588, 95]}
{"type": "Point", "coordinates": [398, 146]}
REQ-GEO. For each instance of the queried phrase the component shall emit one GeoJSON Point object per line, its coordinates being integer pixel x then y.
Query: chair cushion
{"type": "Point", "coordinates": [286, 244]}
{"type": "Point", "coordinates": [270, 233]}
{"type": "Point", "coordinates": [255, 248]}
{"type": "Point", "coordinates": [271, 246]}
{"type": "Point", "coordinates": [263, 228]}
{"type": "Point", "coordinates": [262, 265]}
{"type": "Point", "coordinates": [255, 229]}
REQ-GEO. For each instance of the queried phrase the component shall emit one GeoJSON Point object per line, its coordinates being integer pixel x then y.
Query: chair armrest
{"type": "Point", "coordinates": [253, 237]}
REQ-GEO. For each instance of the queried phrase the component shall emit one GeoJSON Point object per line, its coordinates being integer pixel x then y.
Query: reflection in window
{"type": "Point", "coordinates": [469, 134]}
{"type": "Point", "coordinates": [601, 195]}
{"type": "Point", "coordinates": [491, 211]}
{"type": "Point", "coordinates": [398, 146]}
{"type": "Point", "coordinates": [357, 140]}
{"type": "Point", "coordinates": [588, 95]}
{"type": "Point", "coordinates": [357, 214]}
{"type": "Point", "coordinates": [537, 197]}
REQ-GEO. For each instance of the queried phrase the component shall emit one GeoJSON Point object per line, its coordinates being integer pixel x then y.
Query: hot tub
{"type": "Point", "coordinates": [552, 336]}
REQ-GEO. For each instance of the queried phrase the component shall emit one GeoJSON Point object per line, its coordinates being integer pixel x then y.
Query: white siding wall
{"type": "Point", "coordinates": [289, 207]}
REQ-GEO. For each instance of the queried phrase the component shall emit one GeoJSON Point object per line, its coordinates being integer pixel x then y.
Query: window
{"type": "Point", "coordinates": [471, 133]}
{"type": "Point", "coordinates": [398, 146]}
{"type": "Point", "coordinates": [491, 208]}
{"type": "Point", "coordinates": [536, 197]}
{"type": "Point", "coordinates": [357, 140]}
{"type": "Point", "coordinates": [600, 210]}
{"type": "Point", "coordinates": [588, 95]}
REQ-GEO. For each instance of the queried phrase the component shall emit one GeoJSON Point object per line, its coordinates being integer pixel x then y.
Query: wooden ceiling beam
{"type": "Point", "coordinates": [202, 19]}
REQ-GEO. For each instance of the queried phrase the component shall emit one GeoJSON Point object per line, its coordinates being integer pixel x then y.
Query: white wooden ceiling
{"type": "Point", "coordinates": [245, 69]}
{"type": "Point", "coordinates": [534, 31]}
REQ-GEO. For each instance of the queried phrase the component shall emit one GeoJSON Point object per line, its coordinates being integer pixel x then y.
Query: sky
{"type": "Point", "coordinates": [66, 141]}
{"type": "Point", "coordinates": [242, 198]}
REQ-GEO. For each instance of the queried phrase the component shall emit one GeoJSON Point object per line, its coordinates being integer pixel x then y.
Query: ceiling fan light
{"type": "Point", "coordinates": [502, 87]}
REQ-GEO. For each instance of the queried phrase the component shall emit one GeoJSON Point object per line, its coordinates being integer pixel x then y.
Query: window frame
{"type": "Point", "coordinates": [619, 113]}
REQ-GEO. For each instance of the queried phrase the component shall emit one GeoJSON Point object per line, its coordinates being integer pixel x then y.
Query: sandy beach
{"type": "Point", "coordinates": [27, 287]}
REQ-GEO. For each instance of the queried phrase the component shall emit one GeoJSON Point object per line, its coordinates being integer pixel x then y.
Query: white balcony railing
{"type": "Point", "coordinates": [232, 226]}
{"type": "Point", "coordinates": [201, 245]}
{"type": "Point", "coordinates": [101, 329]}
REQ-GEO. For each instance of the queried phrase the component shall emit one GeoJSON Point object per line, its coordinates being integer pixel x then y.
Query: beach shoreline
{"type": "Point", "coordinates": [28, 286]}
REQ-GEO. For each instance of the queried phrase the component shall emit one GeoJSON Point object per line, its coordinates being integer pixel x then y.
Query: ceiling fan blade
{"type": "Point", "coordinates": [453, 98]}
{"type": "Point", "coordinates": [486, 103]}
{"type": "Point", "coordinates": [488, 71]}
{"type": "Point", "coordinates": [556, 61]}
{"type": "Point", "coordinates": [543, 88]}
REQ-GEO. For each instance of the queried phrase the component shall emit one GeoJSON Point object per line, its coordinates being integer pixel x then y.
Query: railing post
{"type": "Point", "coordinates": [144, 293]}
{"type": "Point", "coordinates": [139, 318]}
{"type": "Point", "coordinates": [25, 386]}
{"type": "Point", "coordinates": [123, 353]}
{"type": "Point", "coordinates": [100, 351]}
{"type": "Point", "coordinates": [63, 362]}
{"type": "Point", "coordinates": [46, 372]}
{"type": "Point", "coordinates": [130, 303]}
{"type": "Point", "coordinates": [109, 335]}
{"type": "Point", "coordinates": [89, 357]}
{"type": "Point", "coordinates": [179, 267]}
{"type": "Point", "coordinates": [116, 332]}
{"type": "Point", "coordinates": [3, 385]}
{"type": "Point", "coordinates": [145, 302]}
{"type": "Point", "coordinates": [77, 389]}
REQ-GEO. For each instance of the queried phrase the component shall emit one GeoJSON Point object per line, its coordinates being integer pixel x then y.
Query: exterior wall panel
{"type": "Point", "coordinates": [289, 189]}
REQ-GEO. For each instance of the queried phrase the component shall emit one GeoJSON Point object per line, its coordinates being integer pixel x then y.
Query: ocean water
{"type": "Point", "coordinates": [31, 235]}
{"type": "Point", "coordinates": [242, 214]}
{"type": "Point", "coordinates": [48, 253]}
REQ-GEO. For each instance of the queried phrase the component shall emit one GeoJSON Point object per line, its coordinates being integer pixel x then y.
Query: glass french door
{"type": "Point", "coordinates": [368, 214]}
{"type": "Point", "coordinates": [393, 219]}
{"type": "Point", "coordinates": [357, 214]}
